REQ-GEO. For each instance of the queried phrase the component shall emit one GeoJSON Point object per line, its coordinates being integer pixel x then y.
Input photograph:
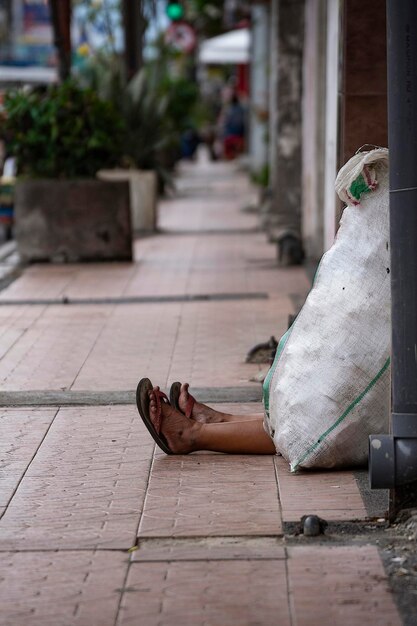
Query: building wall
{"type": "Point", "coordinates": [364, 82]}
{"type": "Point", "coordinates": [287, 38]}
{"type": "Point", "coordinates": [313, 127]}
{"type": "Point", "coordinates": [259, 88]}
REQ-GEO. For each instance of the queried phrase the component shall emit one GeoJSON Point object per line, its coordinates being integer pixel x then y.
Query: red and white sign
{"type": "Point", "coordinates": [181, 36]}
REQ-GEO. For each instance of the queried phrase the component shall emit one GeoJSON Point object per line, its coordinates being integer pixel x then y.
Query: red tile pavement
{"type": "Point", "coordinates": [136, 341]}
{"type": "Point", "coordinates": [169, 266]}
{"type": "Point", "coordinates": [333, 495]}
{"type": "Point", "coordinates": [85, 487]}
{"type": "Point", "coordinates": [86, 484]}
{"type": "Point", "coordinates": [214, 338]}
{"type": "Point", "coordinates": [339, 586]}
{"type": "Point", "coordinates": [220, 593]}
{"type": "Point", "coordinates": [51, 352]}
{"type": "Point", "coordinates": [61, 589]}
{"type": "Point", "coordinates": [211, 495]}
{"type": "Point", "coordinates": [15, 321]}
{"type": "Point", "coordinates": [112, 347]}
{"type": "Point", "coordinates": [40, 281]}
{"type": "Point", "coordinates": [21, 433]}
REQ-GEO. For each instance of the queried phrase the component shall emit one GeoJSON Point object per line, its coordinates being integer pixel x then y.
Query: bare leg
{"type": "Point", "coordinates": [185, 435]}
{"type": "Point", "coordinates": [248, 437]}
{"type": "Point", "coordinates": [206, 415]}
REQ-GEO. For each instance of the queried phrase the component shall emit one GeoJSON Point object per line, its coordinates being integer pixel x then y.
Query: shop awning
{"type": "Point", "coordinates": [230, 48]}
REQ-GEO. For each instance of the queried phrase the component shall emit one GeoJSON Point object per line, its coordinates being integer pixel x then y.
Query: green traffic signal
{"type": "Point", "coordinates": [175, 11]}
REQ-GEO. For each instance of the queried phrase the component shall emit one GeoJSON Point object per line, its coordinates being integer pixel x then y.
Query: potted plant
{"type": "Point", "coordinates": [61, 136]}
{"type": "Point", "coordinates": [145, 137]}
{"type": "Point", "coordinates": [145, 133]}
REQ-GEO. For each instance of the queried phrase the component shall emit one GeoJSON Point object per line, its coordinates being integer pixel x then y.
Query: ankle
{"type": "Point", "coordinates": [196, 436]}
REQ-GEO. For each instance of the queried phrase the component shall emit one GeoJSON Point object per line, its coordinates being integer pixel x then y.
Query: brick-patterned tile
{"type": "Point", "coordinates": [86, 486]}
{"type": "Point", "coordinates": [204, 343]}
{"type": "Point", "coordinates": [334, 495]}
{"type": "Point", "coordinates": [46, 281]}
{"type": "Point", "coordinates": [40, 281]}
{"type": "Point", "coordinates": [205, 593]}
{"type": "Point", "coordinates": [111, 347]}
{"type": "Point", "coordinates": [169, 266]}
{"type": "Point", "coordinates": [61, 588]}
{"type": "Point", "coordinates": [137, 341]}
{"type": "Point", "coordinates": [15, 321]}
{"type": "Point", "coordinates": [204, 214]}
{"type": "Point", "coordinates": [51, 352]}
{"type": "Point", "coordinates": [209, 495]}
{"type": "Point", "coordinates": [99, 280]}
{"type": "Point", "coordinates": [339, 586]}
{"type": "Point", "coordinates": [21, 432]}
{"type": "Point", "coordinates": [215, 337]}
{"type": "Point", "coordinates": [196, 264]}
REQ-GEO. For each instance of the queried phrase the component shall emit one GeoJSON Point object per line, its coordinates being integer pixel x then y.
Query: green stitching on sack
{"type": "Point", "coordinates": [342, 417]}
{"type": "Point", "coordinates": [267, 381]}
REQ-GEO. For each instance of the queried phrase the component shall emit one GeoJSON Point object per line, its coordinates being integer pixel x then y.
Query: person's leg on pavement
{"type": "Point", "coordinates": [185, 435]}
{"type": "Point", "coordinates": [205, 414]}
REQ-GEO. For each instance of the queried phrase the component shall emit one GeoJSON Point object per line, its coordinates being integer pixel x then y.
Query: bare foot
{"type": "Point", "coordinates": [180, 432]}
{"type": "Point", "coordinates": [201, 412]}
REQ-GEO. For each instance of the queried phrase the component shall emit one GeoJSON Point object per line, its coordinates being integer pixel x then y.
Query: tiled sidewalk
{"type": "Point", "coordinates": [99, 528]}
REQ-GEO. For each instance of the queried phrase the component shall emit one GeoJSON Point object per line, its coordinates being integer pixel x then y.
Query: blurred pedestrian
{"type": "Point", "coordinates": [234, 128]}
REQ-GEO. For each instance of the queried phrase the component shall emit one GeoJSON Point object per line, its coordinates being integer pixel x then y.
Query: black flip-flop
{"type": "Point", "coordinates": [142, 403]}
{"type": "Point", "coordinates": [174, 395]}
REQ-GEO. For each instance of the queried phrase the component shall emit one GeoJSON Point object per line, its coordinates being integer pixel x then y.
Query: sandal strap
{"type": "Point", "coordinates": [160, 396]}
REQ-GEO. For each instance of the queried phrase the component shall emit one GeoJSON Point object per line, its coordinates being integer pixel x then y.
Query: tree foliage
{"type": "Point", "coordinates": [62, 132]}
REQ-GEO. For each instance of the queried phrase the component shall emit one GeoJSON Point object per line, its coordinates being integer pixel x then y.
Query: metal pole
{"type": "Point", "coordinates": [402, 133]}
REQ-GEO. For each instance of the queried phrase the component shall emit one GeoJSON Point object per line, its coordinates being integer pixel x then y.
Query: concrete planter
{"type": "Point", "coordinates": [73, 220]}
{"type": "Point", "coordinates": [143, 195]}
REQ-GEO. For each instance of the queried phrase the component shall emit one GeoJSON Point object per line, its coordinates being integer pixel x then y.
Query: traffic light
{"type": "Point", "coordinates": [175, 11]}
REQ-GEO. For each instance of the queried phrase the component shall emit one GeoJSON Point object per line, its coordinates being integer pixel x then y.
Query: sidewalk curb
{"type": "Point", "coordinates": [103, 398]}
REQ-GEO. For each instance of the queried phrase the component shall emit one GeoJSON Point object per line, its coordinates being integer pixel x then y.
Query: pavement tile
{"type": "Point", "coordinates": [215, 337]}
{"type": "Point", "coordinates": [193, 214]}
{"type": "Point", "coordinates": [46, 281]}
{"type": "Point", "coordinates": [215, 593]}
{"type": "Point", "coordinates": [21, 433]}
{"type": "Point", "coordinates": [99, 280]}
{"type": "Point", "coordinates": [137, 342]}
{"type": "Point", "coordinates": [61, 588]}
{"type": "Point", "coordinates": [339, 586]}
{"type": "Point", "coordinates": [86, 486]}
{"type": "Point", "coordinates": [204, 343]}
{"type": "Point", "coordinates": [15, 321]}
{"type": "Point", "coordinates": [211, 495]}
{"type": "Point", "coordinates": [51, 352]}
{"type": "Point", "coordinates": [209, 549]}
{"type": "Point", "coordinates": [333, 495]}
{"type": "Point", "coordinates": [40, 281]}
{"type": "Point", "coordinates": [169, 266]}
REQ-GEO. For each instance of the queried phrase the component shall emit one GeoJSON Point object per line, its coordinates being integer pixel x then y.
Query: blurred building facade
{"type": "Point", "coordinates": [321, 66]}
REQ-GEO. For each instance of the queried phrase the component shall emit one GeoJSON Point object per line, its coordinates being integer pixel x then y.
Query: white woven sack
{"type": "Point", "coordinates": [329, 387]}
